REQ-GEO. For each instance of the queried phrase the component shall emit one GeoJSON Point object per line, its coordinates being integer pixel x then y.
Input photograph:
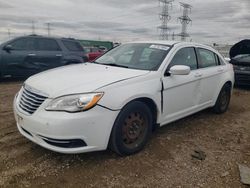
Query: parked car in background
{"type": "Point", "coordinates": [28, 55]}
{"type": "Point", "coordinates": [117, 100]}
{"type": "Point", "coordinates": [240, 58]}
{"type": "Point", "coordinates": [93, 52]}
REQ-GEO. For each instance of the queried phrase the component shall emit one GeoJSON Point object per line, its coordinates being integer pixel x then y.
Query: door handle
{"type": "Point", "coordinates": [31, 55]}
{"type": "Point", "coordinates": [58, 55]}
{"type": "Point", "coordinates": [198, 75]}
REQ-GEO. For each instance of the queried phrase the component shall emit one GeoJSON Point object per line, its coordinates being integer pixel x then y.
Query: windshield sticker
{"type": "Point", "coordinates": [159, 47]}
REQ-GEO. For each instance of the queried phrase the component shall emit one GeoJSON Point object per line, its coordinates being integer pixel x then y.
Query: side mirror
{"type": "Point", "coordinates": [8, 48]}
{"type": "Point", "coordinates": [180, 70]}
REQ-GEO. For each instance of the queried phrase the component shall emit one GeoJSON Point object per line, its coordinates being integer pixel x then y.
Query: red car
{"type": "Point", "coordinates": [93, 53]}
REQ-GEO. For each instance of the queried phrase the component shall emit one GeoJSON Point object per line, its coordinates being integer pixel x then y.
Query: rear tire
{"type": "Point", "coordinates": [132, 129]}
{"type": "Point", "coordinates": [223, 100]}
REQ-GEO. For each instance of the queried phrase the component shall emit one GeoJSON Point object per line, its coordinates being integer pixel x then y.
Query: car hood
{"type": "Point", "coordinates": [242, 47]}
{"type": "Point", "coordinates": [81, 78]}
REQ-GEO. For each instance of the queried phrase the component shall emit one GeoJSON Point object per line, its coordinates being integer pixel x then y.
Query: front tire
{"type": "Point", "coordinates": [131, 129]}
{"type": "Point", "coordinates": [223, 100]}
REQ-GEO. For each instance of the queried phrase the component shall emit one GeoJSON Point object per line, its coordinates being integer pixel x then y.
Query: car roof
{"type": "Point", "coordinates": [164, 42]}
{"type": "Point", "coordinates": [171, 43]}
{"type": "Point", "coordinates": [47, 37]}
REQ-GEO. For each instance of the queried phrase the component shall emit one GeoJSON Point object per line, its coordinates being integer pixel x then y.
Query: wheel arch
{"type": "Point", "coordinates": [227, 82]}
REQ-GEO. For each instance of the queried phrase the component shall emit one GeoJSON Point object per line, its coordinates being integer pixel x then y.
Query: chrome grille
{"type": "Point", "coordinates": [30, 101]}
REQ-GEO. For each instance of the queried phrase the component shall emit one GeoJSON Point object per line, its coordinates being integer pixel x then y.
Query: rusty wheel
{"type": "Point", "coordinates": [132, 129]}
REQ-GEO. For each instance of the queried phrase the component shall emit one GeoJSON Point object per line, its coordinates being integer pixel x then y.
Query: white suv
{"type": "Point", "coordinates": [118, 100]}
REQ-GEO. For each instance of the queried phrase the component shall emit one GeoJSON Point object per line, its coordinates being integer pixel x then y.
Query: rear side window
{"type": "Point", "coordinates": [23, 44]}
{"type": "Point", "coordinates": [72, 45]}
{"type": "Point", "coordinates": [185, 56]}
{"type": "Point", "coordinates": [206, 58]}
{"type": "Point", "coordinates": [47, 45]}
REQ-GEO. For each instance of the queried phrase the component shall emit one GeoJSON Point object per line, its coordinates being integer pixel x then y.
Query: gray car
{"type": "Point", "coordinates": [28, 55]}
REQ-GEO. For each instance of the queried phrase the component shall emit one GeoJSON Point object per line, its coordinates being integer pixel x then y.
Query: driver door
{"type": "Point", "coordinates": [181, 93]}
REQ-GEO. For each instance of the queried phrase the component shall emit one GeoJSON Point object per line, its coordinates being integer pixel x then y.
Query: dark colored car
{"type": "Point", "coordinates": [28, 55]}
{"type": "Point", "coordinates": [240, 58]}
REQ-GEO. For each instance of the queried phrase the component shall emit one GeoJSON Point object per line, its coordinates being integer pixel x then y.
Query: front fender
{"type": "Point", "coordinates": [117, 95]}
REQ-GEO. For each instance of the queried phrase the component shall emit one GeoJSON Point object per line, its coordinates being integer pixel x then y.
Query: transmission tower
{"type": "Point", "coordinates": [184, 20]}
{"type": "Point", "coordinates": [165, 18]}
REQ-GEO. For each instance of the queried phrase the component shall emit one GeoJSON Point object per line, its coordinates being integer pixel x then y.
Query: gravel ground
{"type": "Point", "coordinates": [165, 162]}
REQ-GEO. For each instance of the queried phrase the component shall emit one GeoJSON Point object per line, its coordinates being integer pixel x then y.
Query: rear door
{"type": "Point", "coordinates": [18, 61]}
{"type": "Point", "coordinates": [182, 93]}
{"type": "Point", "coordinates": [211, 71]}
{"type": "Point", "coordinates": [48, 54]}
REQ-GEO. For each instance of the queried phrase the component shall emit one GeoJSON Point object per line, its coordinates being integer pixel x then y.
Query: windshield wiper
{"type": "Point", "coordinates": [110, 64]}
{"type": "Point", "coordinates": [114, 65]}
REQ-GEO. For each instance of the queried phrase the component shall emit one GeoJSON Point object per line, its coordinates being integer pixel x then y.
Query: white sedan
{"type": "Point", "coordinates": [118, 100]}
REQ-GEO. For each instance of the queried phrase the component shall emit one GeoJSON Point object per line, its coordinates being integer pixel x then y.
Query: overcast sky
{"type": "Point", "coordinates": [221, 21]}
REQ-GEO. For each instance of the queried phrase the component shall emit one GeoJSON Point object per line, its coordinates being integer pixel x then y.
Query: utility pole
{"type": "Point", "coordinates": [9, 33]}
{"type": "Point", "coordinates": [33, 28]}
{"type": "Point", "coordinates": [173, 36]}
{"type": "Point", "coordinates": [165, 18]}
{"type": "Point", "coordinates": [184, 20]}
{"type": "Point", "coordinates": [48, 28]}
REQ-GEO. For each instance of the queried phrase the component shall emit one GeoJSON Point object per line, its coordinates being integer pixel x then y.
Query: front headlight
{"type": "Point", "coordinates": [74, 103]}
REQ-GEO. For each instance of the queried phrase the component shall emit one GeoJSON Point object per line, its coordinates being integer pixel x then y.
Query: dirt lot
{"type": "Point", "coordinates": [165, 162]}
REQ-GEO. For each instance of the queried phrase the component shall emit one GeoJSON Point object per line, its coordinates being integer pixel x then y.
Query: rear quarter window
{"type": "Point", "coordinates": [72, 45]}
{"type": "Point", "coordinates": [221, 61]}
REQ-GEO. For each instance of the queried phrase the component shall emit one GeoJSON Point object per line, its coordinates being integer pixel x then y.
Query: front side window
{"type": "Point", "coordinates": [23, 44]}
{"type": "Point", "coordinates": [206, 58]}
{"type": "Point", "coordinates": [136, 56]}
{"type": "Point", "coordinates": [185, 56]}
{"type": "Point", "coordinates": [47, 45]}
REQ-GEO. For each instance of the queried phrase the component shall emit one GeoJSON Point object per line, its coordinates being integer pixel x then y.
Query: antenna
{"type": "Point", "coordinates": [33, 28]}
{"type": "Point", "coordinates": [48, 28]}
{"type": "Point", "coordinates": [9, 33]}
{"type": "Point", "coordinates": [184, 20]}
{"type": "Point", "coordinates": [165, 18]}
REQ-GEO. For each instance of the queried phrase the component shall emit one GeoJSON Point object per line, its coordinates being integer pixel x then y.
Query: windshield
{"type": "Point", "coordinates": [136, 56]}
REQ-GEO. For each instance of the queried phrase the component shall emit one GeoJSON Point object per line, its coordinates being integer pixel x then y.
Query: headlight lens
{"type": "Point", "coordinates": [74, 103]}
